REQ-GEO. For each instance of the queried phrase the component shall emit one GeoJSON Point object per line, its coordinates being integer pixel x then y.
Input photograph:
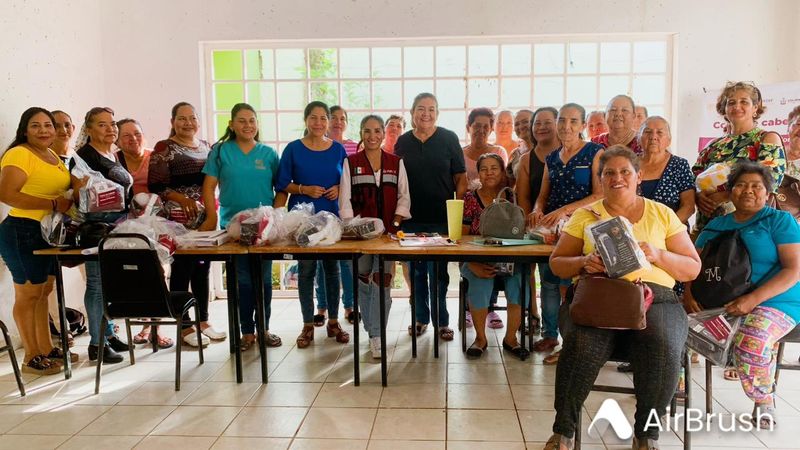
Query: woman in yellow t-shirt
{"type": "Point", "coordinates": [655, 351]}
{"type": "Point", "coordinates": [32, 182]}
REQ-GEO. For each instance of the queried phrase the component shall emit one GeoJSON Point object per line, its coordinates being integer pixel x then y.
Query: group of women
{"type": "Point", "coordinates": [561, 180]}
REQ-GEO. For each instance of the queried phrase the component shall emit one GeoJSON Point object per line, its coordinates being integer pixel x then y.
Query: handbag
{"type": "Point", "coordinates": [612, 303]}
{"type": "Point", "coordinates": [503, 219]}
{"type": "Point", "coordinates": [788, 196]}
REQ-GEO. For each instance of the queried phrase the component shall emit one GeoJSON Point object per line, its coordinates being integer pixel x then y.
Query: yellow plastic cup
{"type": "Point", "coordinates": [455, 218]}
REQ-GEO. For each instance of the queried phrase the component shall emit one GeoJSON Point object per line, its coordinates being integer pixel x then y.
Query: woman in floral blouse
{"type": "Point", "coordinates": [741, 105]}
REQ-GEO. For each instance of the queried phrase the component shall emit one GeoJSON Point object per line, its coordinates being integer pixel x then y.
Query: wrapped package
{"type": "Point", "coordinates": [175, 213]}
{"type": "Point", "coordinates": [145, 204]}
{"type": "Point", "coordinates": [60, 229]}
{"type": "Point", "coordinates": [362, 228]}
{"type": "Point", "coordinates": [713, 177]}
{"type": "Point", "coordinates": [98, 194]}
{"type": "Point", "coordinates": [162, 232]}
{"type": "Point", "coordinates": [548, 235]}
{"type": "Point", "coordinates": [288, 223]}
{"type": "Point", "coordinates": [613, 239]}
{"type": "Point", "coordinates": [323, 228]}
{"type": "Point", "coordinates": [711, 334]}
{"type": "Point", "coordinates": [253, 226]}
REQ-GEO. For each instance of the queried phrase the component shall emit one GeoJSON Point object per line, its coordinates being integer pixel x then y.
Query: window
{"type": "Point", "coordinates": [278, 78]}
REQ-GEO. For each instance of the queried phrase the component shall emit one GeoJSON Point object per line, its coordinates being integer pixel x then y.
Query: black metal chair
{"type": "Point", "coordinates": [9, 347]}
{"type": "Point", "coordinates": [134, 286]}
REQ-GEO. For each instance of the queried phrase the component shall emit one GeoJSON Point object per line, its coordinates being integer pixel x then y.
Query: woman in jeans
{"type": "Point", "coordinates": [32, 182]}
{"type": "Point", "coordinates": [245, 171]}
{"type": "Point", "coordinates": [96, 148]}
{"type": "Point", "coordinates": [382, 193]}
{"type": "Point", "coordinates": [655, 351]}
{"type": "Point", "coordinates": [310, 170]}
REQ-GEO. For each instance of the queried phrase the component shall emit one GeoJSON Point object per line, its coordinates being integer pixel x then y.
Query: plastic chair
{"type": "Point", "coordinates": [134, 286]}
{"type": "Point", "coordinates": [8, 347]}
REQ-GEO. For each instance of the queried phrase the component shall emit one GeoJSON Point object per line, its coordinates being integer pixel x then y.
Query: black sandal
{"type": "Point", "coordinates": [40, 365]}
{"type": "Point", "coordinates": [351, 317]}
{"type": "Point", "coordinates": [58, 354]}
{"type": "Point", "coordinates": [517, 351]}
{"type": "Point", "coordinates": [319, 320]}
{"type": "Point", "coordinates": [476, 352]}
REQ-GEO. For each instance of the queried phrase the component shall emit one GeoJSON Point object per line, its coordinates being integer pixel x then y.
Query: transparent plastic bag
{"type": "Point", "coordinates": [145, 204]}
{"type": "Point", "coordinates": [287, 223]}
{"type": "Point", "coordinates": [175, 213]}
{"type": "Point", "coordinates": [711, 334]}
{"type": "Point", "coordinates": [59, 229]}
{"type": "Point", "coordinates": [614, 241]}
{"type": "Point", "coordinates": [321, 229]}
{"type": "Point", "coordinates": [253, 226]}
{"type": "Point", "coordinates": [362, 228]}
{"type": "Point", "coordinates": [548, 235]}
{"type": "Point", "coordinates": [713, 177]}
{"type": "Point", "coordinates": [98, 194]}
{"type": "Point", "coordinates": [159, 230]}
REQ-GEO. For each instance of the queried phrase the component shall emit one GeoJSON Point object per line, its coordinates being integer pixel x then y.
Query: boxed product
{"type": "Point", "coordinates": [614, 240]}
{"type": "Point", "coordinates": [711, 334]}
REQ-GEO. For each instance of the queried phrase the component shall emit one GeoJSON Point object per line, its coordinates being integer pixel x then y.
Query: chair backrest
{"type": "Point", "coordinates": [132, 277]}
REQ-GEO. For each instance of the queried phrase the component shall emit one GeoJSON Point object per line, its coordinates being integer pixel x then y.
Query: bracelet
{"type": "Point", "coordinates": [54, 203]}
{"type": "Point", "coordinates": [300, 189]}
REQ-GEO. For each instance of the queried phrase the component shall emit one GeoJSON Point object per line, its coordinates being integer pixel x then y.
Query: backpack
{"type": "Point", "coordinates": [76, 321]}
{"type": "Point", "coordinates": [726, 269]}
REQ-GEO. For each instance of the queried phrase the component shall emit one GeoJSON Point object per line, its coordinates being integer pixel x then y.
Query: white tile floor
{"type": "Point", "coordinates": [310, 402]}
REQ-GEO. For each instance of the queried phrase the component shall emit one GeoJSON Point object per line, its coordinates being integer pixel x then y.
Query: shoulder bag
{"type": "Point", "coordinates": [503, 219]}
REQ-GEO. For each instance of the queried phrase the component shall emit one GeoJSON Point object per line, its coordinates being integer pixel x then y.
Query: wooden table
{"type": "Point", "coordinates": [390, 250]}
{"type": "Point", "coordinates": [226, 253]}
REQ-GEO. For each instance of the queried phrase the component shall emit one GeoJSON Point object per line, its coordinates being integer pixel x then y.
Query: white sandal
{"type": "Point", "coordinates": [214, 334]}
{"type": "Point", "coordinates": [191, 339]}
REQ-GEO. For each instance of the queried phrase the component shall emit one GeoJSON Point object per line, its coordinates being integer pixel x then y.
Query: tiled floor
{"type": "Point", "coordinates": [310, 402]}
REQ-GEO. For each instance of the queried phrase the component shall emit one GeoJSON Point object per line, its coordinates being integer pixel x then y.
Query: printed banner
{"type": "Point", "coordinates": [779, 99]}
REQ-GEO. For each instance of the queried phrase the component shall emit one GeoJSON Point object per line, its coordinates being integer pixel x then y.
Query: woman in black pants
{"type": "Point", "coordinates": [655, 351]}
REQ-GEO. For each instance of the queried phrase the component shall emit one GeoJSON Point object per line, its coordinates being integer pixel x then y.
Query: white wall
{"type": "Point", "coordinates": [141, 57]}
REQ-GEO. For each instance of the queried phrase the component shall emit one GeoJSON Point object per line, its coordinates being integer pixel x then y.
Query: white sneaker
{"type": "Point", "coordinates": [214, 334]}
{"type": "Point", "coordinates": [191, 339]}
{"type": "Point", "coordinates": [375, 347]}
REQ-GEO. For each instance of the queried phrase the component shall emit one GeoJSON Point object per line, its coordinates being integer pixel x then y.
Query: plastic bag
{"type": "Point", "coordinates": [713, 177]}
{"type": "Point", "coordinates": [321, 229]}
{"type": "Point", "coordinates": [254, 226]}
{"type": "Point", "coordinates": [159, 230]}
{"type": "Point", "coordinates": [287, 223]}
{"type": "Point", "coordinates": [59, 229]}
{"type": "Point", "coordinates": [613, 239]}
{"type": "Point", "coordinates": [99, 194]}
{"type": "Point", "coordinates": [145, 204]}
{"type": "Point", "coordinates": [175, 213]}
{"type": "Point", "coordinates": [711, 334]}
{"type": "Point", "coordinates": [548, 235]}
{"type": "Point", "coordinates": [362, 228]}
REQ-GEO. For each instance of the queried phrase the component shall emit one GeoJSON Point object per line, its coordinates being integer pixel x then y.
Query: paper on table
{"type": "Point", "coordinates": [424, 241]}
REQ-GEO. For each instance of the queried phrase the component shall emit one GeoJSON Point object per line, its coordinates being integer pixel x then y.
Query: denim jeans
{"type": "Point", "coordinates": [369, 295]}
{"type": "Point", "coordinates": [550, 297]}
{"type": "Point", "coordinates": [423, 278]}
{"type": "Point", "coordinates": [305, 287]}
{"type": "Point", "coordinates": [93, 302]}
{"type": "Point", "coordinates": [247, 298]}
{"type": "Point", "coordinates": [346, 270]}
{"type": "Point", "coordinates": [481, 290]}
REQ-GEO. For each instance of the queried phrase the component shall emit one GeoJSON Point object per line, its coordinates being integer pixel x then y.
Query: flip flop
{"type": "Point", "coordinates": [143, 337]}
{"type": "Point", "coordinates": [164, 342]}
{"type": "Point", "coordinates": [730, 374]}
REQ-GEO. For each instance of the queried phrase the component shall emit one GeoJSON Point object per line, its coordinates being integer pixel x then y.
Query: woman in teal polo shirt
{"type": "Point", "coordinates": [245, 171]}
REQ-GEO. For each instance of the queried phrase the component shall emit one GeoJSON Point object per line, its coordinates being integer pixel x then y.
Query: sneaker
{"type": "Point", "coordinates": [191, 339]}
{"type": "Point", "coordinates": [214, 334]}
{"type": "Point", "coordinates": [375, 347]}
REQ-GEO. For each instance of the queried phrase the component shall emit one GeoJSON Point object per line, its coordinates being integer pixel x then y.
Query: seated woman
{"type": "Point", "coordinates": [655, 351]}
{"type": "Point", "coordinates": [773, 309]}
{"type": "Point", "coordinates": [481, 277]}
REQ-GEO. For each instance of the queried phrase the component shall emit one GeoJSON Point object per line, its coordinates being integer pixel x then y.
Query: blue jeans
{"type": "Point", "coordinates": [369, 295]}
{"type": "Point", "coordinates": [305, 287]}
{"type": "Point", "coordinates": [93, 302]}
{"type": "Point", "coordinates": [481, 290]}
{"type": "Point", "coordinates": [247, 298]}
{"type": "Point", "coordinates": [423, 278]}
{"type": "Point", "coordinates": [346, 270]}
{"type": "Point", "coordinates": [550, 297]}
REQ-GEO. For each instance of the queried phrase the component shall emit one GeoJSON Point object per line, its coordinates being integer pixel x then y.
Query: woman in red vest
{"type": "Point", "coordinates": [374, 184]}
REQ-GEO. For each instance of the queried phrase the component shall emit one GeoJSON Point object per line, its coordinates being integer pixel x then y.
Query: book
{"type": "Point", "coordinates": [204, 238]}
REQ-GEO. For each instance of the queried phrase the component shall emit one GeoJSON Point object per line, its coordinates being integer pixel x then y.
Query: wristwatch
{"type": "Point", "coordinates": [396, 224]}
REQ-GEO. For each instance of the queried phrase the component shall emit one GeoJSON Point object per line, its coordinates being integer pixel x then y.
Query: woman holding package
{"type": "Point", "coordinates": [772, 309]}
{"type": "Point", "coordinates": [374, 184]}
{"type": "Point", "coordinates": [176, 175]}
{"type": "Point", "coordinates": [32, 182]}
{"type": "Point", "coordinates": [656, 350]}
{"type": "Point", "coordinates": [741, 105]}
{"type": "Point", "coordinates": [481, 276]}
{"type": "Point", "coordinates": [569, 182]}
{"type": "Point", "coordinates": [96, 147]}
{"type": "Point", "coordinates": [245, 171]}
{"type": "Point", "coordinates": [310, 171]}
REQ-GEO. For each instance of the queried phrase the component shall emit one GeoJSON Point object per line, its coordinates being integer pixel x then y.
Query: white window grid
{"type": "Point", "coordinates": [269, 117]}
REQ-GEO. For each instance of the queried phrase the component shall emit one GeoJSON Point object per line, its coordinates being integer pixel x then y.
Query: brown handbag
{"type": "Point", "coordinates": [788, 196]}
{"type": "Point", "coordinates": [612, 303]}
